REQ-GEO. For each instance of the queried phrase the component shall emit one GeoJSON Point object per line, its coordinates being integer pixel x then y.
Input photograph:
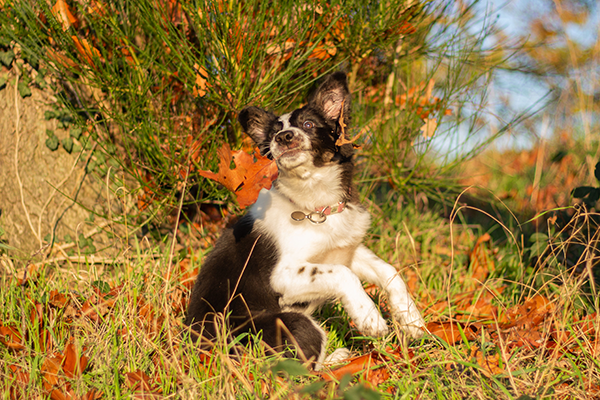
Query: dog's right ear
{"type": "Point", "coordinates": [256, 123]}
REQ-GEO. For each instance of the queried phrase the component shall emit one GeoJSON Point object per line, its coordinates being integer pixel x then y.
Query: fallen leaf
{"type": "Point", "coordinates": [354, 366]}
{"type": "Point", "coordinates": [57, 299]}
{"type": "Point", "coordinates": [342, 140]}
{"type": "Point", "coordinates": [19, 375]}
{"type": "Point", "coordinates": [11, 338]}
{"type": "Point", "coordinates": [49, 370]}
{"type": "Point", "coordinates": [481, 263]}
{"type": "Point", "coordinates": [61, 59]}
{"type": "Point", "coordinates": [85, 50]}
{"type": "Point", "coordinates": [138, 380]}
{"type": "Point", "coordinates": [530, 313]}
{"type": "Point", "coordinates": [450, 331]}
{"type": "Point", "coordinates": [490, 364]}
{"type": "Point", "coordinates": [93, 395]}
{"type": "Point", "coordinates": [73, 364]}
{"type": "Point", "coordinates": [63, 14]}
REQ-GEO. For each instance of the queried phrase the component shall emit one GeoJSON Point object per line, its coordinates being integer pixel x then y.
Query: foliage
{"type": "Point", "coordinates": [158, 83]}
{"type": "Point", "coordinates": [95, 331]}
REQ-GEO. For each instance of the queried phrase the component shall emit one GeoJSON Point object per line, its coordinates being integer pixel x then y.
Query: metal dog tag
{"type": "Point", "coordinates": [315, 217]}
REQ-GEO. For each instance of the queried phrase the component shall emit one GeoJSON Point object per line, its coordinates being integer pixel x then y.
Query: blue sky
{"type": "Point", "coordinates": [514, 18]}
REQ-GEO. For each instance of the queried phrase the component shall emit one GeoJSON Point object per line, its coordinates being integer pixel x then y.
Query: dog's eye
{"type": "Point", "coordinates": [308, 125]}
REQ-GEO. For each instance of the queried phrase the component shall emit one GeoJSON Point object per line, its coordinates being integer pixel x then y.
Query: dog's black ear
{"type": "Point", "coordinates": [333, 96]}
{"type": "Point", "coordinates": [256, 122]}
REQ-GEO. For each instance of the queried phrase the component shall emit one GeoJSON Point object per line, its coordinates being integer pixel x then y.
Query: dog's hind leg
{"type": "Point", "coordinates": [293, 332]}
{"type": "Point", "coordinates": [373, 269]}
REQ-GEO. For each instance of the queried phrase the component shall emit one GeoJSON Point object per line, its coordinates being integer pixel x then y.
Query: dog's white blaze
{"type": "Point", "coordinates": [285, 120]}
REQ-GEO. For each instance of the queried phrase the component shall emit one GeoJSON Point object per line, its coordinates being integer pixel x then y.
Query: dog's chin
{"type": "Point", "coordinates": [293, 158]}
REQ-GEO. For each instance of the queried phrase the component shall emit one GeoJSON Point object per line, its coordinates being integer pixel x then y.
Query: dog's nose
{"type": "Point", "coordinates": [284, 137]}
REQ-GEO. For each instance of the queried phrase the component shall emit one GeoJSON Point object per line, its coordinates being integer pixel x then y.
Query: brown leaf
{"type": "Point", "coordinates": [342, 140]}
{"type": "Point", "coordinates": [49, 370]}
{"type": "Point", "coordinates": [482, 308]}
{"type": "Point", "coordinates": [57, 394]}
{"type": "Point", "coordinates": [247, 178]}
{"type": "Point", "coordinates": [19, 375]}
{"type": "Point", "coordinates": [481, 263]}
{"type": "Point", "coordinates": [88, 311]}
{"type": "Point", "coordinates": [93, 395]}
{"type": "Point", "coordinates": [429, 127]}
{"type": "Point", "coordinates": [199, 89]}
{"type": "Point", "coordinates": [73, 365]}
{"type": "Point", "coordinates": [490, 364]}
{"type": "Point", "coordinates": [85, 50]}
{"type": "Point", "coordinates": [376, 376]}
{"type": "Point", "coordinates": [63, 14]}
{"type": "Point", "coordinates": [450, 331]}
{"type": "Point", "coordinates": [356, 365]}
{"type": "Point", "coordinates": [530, 313]}
{"type": "Point", "coordinates": [11, 338]}
{"type": "Point", "coordinates": [57, 299]}
{"type": "Point", "coordinates": [138, 380]}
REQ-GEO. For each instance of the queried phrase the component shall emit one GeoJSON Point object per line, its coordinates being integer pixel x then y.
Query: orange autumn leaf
{"type": "Point", "coordinates": [355, 365]}
{"type": "Point", "coordinates": [201, 83]}
{"type": "Point", "coordinates": [11, 338]}
{"type": "Point", "coordinates": [528, 314]}
{"type": "Point", "coordinates": [85, 50]}
{"type": "Point", "coordinates": [49, 371]}
{"type": "Point", "coordinates": [63, 14]}
{"type": "Point", "coordinates": [73, 364]}
{"type": "Point", "coordinates": [450, 331]}
{"type": "Point", "coordinates": [480, 260]}
{"type": "Point", "coordinates": [18, 374]}
{"type": "Point", "coordinates": [247, 178]}
{"type": "Point", "coordinates": [57, 299]}
{"type": "Point", "coordinates": [490, 364]}
{"type": "Point", "coordinates": [60, 59]}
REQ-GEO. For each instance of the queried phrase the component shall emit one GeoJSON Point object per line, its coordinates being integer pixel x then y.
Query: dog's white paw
{"type": "Point", "coordinates": [373, 325]}
{"type": "Point", "coordinates": [413, 331]}
{"type": "Point", "coordinates": [337, 356]}
{"type": "Point", "coordinates": [411, 323]}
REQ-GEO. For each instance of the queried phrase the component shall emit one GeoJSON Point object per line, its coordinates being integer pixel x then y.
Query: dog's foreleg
{"type": "Point", "coordinates": [312, 283]}
{"type": "Point", "coordinates": [373, 269]}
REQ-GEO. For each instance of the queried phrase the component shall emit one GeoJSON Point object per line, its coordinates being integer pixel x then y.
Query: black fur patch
{"type": "Point", "coordinates": [223, 279]}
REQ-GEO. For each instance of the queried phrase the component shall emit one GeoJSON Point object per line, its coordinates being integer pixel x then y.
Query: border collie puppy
{"type": "Point", "coordinates": [300, 243]}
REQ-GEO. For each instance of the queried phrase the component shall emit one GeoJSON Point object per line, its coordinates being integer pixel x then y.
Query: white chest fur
{"type": "Point", "coordinates": [304, 241]}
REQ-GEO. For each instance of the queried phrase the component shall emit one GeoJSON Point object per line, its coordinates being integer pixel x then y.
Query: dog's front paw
{"type": "Point", "coordinates": [337, 356]}
{"type": "Point", "coordinates": [411, 323]}
{"type": "Point", "coordinates": [373, 325]}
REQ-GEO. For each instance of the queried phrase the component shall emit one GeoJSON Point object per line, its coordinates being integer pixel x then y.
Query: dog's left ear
{"type": "Point", "coordinates": [333, 96]}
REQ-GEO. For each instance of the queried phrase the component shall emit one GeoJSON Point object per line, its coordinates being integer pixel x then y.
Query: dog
{"type": "Point", "coordinates": [300, 243]}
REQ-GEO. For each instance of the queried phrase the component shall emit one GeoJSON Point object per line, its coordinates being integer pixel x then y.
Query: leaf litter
{"type": "Point", "coordinates": [493, 337]}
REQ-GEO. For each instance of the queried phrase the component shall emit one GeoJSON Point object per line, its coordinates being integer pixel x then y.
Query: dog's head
{"type": "Point", "coordinates": [306, 136]}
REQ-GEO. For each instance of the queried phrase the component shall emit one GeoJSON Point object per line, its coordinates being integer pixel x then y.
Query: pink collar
{"type": "Point", "coordinates": [320, 214]}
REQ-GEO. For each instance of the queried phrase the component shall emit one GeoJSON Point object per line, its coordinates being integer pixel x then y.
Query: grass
{"type": "Point", "coordinates": [133, 339]}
